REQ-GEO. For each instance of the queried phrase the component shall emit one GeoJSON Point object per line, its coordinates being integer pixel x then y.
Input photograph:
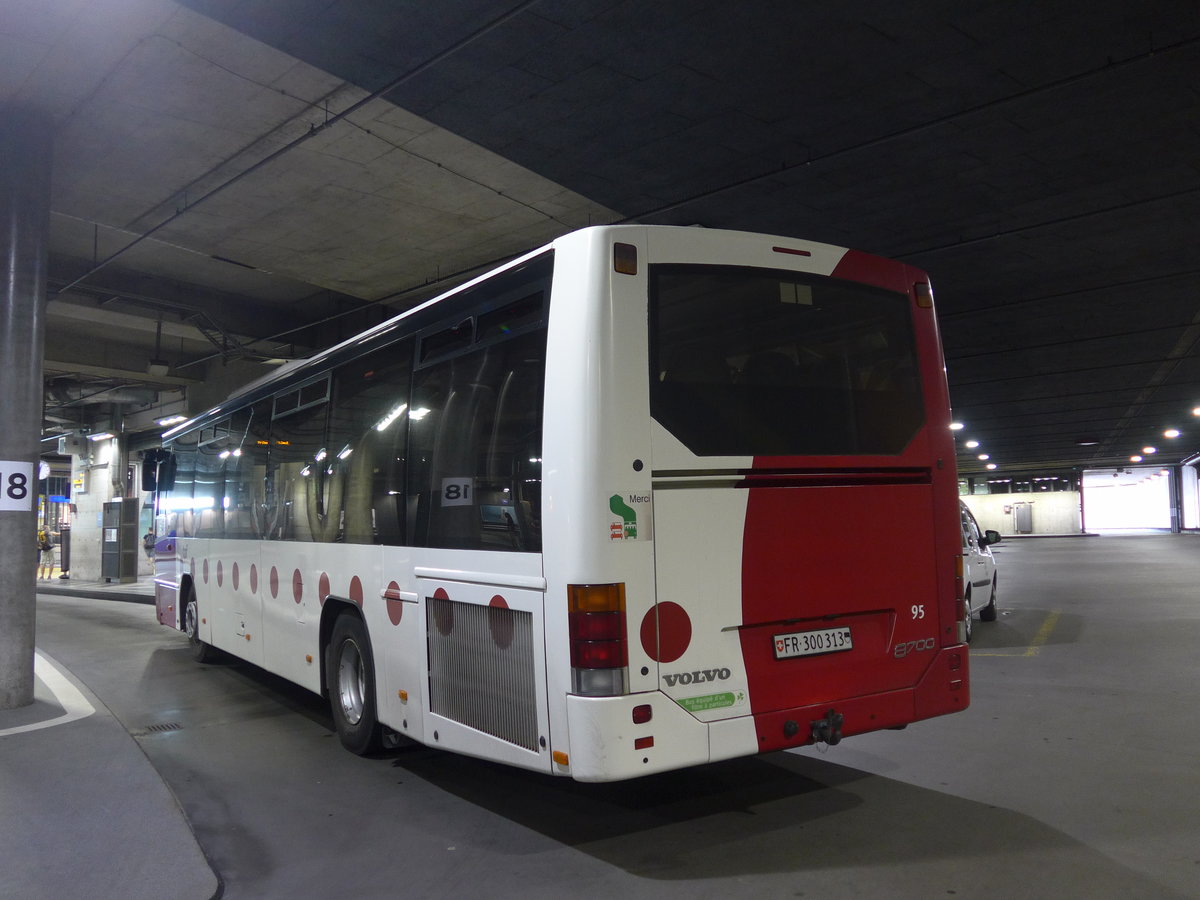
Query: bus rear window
{"type": "Point", "coordinates": [757, 362]}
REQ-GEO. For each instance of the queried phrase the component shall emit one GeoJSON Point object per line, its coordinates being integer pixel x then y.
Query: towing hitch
{"type": "Point", "coordinates": [827, 730]}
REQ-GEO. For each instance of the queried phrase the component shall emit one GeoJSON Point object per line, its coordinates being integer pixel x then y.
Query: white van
{"type": "Point", "coordinates": [979, 569]}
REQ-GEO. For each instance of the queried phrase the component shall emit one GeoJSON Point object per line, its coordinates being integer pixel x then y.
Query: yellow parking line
{"type": "Point", "coordinates": [1043, 633]}
{"type": "Point", "coordinates": [1039, 639]}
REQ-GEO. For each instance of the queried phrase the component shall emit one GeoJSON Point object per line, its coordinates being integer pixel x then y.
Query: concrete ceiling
{"type": "Point", "coordinates": [245, 180]}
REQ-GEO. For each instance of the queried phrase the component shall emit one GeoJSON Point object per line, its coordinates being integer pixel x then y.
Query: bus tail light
{"type": "Point", "coordinates": [599, 649]}
{"type": "Point", "coordinates": [961, 610]}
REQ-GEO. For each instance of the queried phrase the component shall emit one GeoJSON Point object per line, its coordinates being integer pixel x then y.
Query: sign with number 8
{"type": "Point", "coordinates": [16, 485]}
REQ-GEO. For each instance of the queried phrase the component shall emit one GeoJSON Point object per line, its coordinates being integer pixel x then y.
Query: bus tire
{"type": "Point", "coordinates": [988, 613]}
{"type": "Point", "coordinates": [350, 679]}
{"type": "Point", "coordinates": [201, 652]}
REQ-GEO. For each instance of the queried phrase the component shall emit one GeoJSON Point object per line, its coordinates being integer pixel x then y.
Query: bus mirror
{"type": "Point", "coordinates": [158, 470]}
{"type": "Point", "coordinates": [150, 470]}
{"type": "Point", "coordinates": [166, 472]}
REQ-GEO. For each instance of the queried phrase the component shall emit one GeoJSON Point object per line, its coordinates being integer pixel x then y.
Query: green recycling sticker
{"type": "Point", "coordinates": [708, 701]}
{"type": "Point", "coordinates": [626, 528]}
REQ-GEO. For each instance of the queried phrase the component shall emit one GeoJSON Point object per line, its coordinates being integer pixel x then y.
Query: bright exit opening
{"type": "Point", "coordinates": [1124, 499]}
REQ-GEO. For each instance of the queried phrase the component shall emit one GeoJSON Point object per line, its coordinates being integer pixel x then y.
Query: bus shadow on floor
{"type": "Point", "coordinates": [788, 813]}
{"type": "Point", "coordinates": [1017, 631]}
{"type": "Point", "coordinates": [227, 688]}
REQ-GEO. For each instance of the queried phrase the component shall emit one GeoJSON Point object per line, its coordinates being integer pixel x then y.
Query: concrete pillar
{"type": "Point", "coordinates": [26, 143]}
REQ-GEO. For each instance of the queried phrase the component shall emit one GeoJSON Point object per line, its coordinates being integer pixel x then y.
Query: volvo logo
{"type": "Point", "coordinates": [697, 677]}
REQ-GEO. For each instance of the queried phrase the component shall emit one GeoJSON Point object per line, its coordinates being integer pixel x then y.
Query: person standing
{"type": "Point", "coordinates": [46, 546]}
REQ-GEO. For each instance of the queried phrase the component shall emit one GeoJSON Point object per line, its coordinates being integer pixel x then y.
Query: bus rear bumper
{"type": "Point", "coordinates": [606, 744]}
{"type": "Point", "coordinates": [943, 688]}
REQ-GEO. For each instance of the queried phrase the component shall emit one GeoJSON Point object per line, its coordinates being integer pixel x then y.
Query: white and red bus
{"type": "Point", "coordinates": [645, 498]}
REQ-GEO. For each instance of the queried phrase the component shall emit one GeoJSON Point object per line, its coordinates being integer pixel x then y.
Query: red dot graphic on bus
{"type": "Point", "coordinates": [356, 591]}
{"type": "Point", "coordinates": [233, 576]}
{"type": "Point", "coordinates": [666, 637]}
{"type": "Point", "coordinates": [323, 588]}
{"type": "Point", "coordinates": [206, 571]}
{"type": "Point", "coordinates": [253, 578]}
{"type": "Point", "coordinates": [395, 606]}
{"type": "Point", "coordinates": [443, 613]}
{"type": "Point", "coordinates": [274, 579]}
{"type": "Point", "coordinates": [220, 575]}
{"type": "Point", "coordinates": [500, 622]}
{"type": "Point", "coordinates": [297, 586]}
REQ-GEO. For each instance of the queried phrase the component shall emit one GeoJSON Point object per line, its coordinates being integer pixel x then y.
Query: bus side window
{"type": "Point", "coordinates": [209, 484]}
{"type": "Point", "coordinates": [475, 452]}
{"type": "Point", "coordinates": [306, 502]}
{"type": "Point", "coordinates": [441, 447]}
{"type": "Point", "coordinates": [368, 426]}
{"type": "Point", "coordinates": [180, 520]}
{"type": "Point", "coordinates": [243, 474]}
{"type": "Point", "coordinates": [256, 450]}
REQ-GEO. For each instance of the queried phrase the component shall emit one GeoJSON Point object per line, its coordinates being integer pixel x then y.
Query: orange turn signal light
{"type": "Point", "coordinates": [625, 259]}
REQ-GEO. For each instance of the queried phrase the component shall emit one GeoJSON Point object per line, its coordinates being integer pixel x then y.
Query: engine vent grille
{"type": "Point", "coordinates": [481, 668]}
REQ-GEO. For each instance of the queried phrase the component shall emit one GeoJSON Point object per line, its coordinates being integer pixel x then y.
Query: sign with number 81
{"type": "Point", "coordinates": [457, 492]}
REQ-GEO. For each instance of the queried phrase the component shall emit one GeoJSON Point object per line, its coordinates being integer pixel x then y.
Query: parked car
{"type": "Point", "coordinates": [979, 569]}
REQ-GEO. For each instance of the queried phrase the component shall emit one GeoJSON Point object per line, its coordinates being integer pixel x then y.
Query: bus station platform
{"type": "Point", "coordinates": [133, 592]}
{"type": "Point", "coordinates": [83, 812]}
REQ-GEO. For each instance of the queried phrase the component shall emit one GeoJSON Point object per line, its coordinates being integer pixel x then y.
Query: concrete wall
{"type": "Point", "coordinates": [1054, 512]}
{"type": "Point", "coordinates": [98, 471]}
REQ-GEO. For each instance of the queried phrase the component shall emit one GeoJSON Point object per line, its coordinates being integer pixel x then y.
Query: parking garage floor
{"type": "Point", "coordinates": [1074, 773]}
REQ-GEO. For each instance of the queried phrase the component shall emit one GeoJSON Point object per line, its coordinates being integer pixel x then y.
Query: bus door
{"type": "Point", "coordinates": [166, 583]}
{"type": "Point", "coordinates": [484, 653]}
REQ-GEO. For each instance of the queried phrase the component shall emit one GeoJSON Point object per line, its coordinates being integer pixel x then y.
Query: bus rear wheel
{"type": "Point", "coordinates": [350, 679]}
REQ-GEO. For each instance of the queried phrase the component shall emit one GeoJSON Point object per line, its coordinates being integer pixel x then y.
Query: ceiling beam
{"type": "Point", "coordinates": [171, 327]}
{"type": "Point", "coordinates": [75, 368]}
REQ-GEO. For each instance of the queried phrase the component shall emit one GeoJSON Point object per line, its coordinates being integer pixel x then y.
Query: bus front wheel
{"type": "Point", "coordinates": [201, 651]}
{"type": "Point", "coordinates": [350, 678]}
